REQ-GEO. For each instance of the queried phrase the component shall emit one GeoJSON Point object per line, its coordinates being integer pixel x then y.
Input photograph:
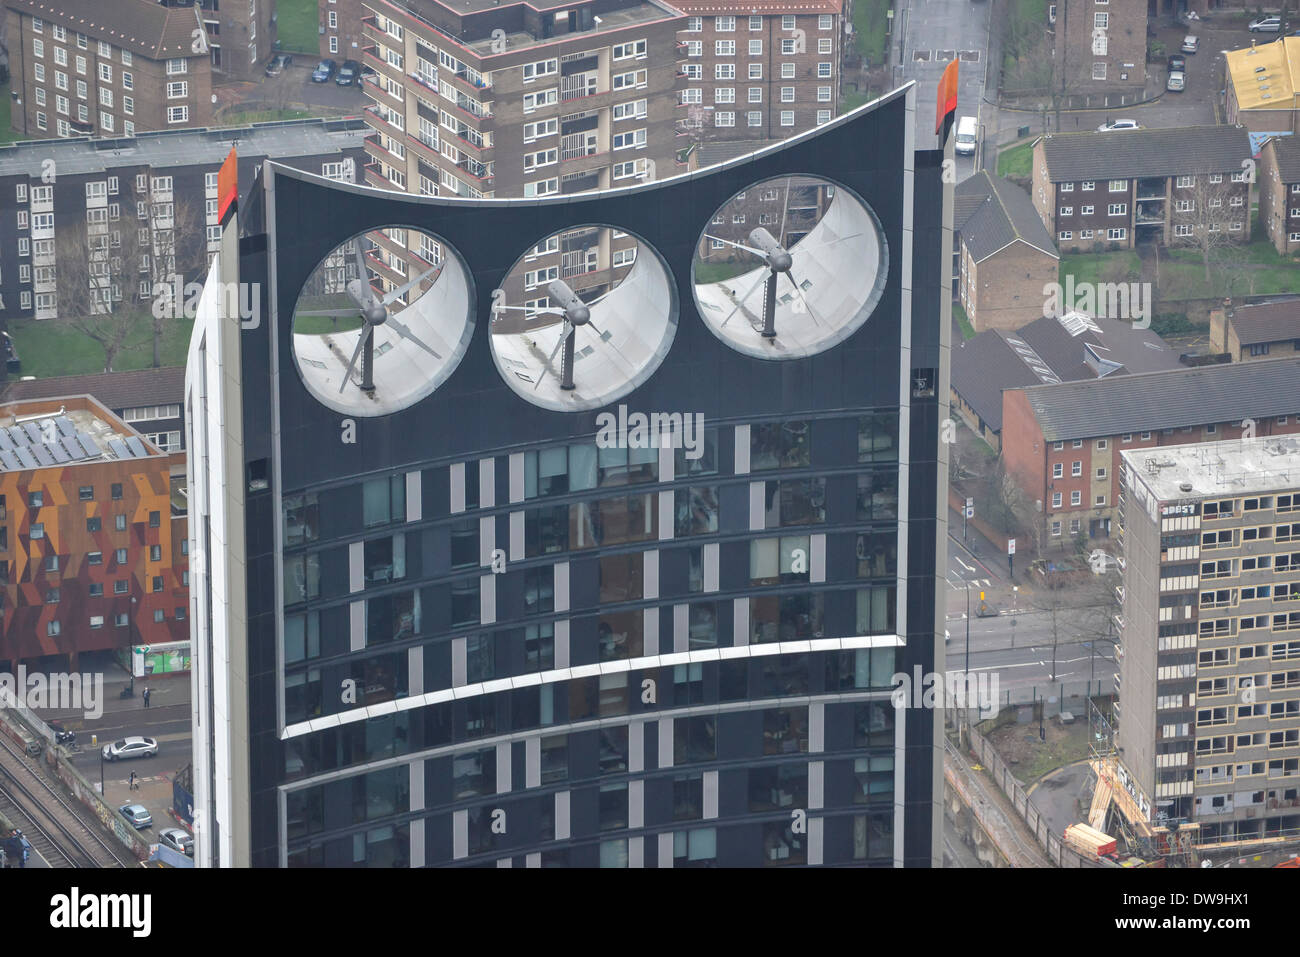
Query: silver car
{"type": "Point", "coordinates": [1177, 82]}
{"type": "Point", "coordinates": [138, 815]}
{"type": "Point", "coordinates": [134, 747]}
{"type": "Point", "coordinates": [178, 840]}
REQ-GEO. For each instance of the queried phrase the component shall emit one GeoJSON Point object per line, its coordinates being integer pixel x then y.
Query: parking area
{"type": "Point", "coordinates": [294, 90]}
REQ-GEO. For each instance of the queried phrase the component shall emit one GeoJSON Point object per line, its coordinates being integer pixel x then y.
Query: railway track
{"type": "Point", "coordinates": [62, 834]}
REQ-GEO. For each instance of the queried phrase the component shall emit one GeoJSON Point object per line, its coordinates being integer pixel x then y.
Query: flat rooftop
{"type": "Point", "coordinates": [73, 430]}
{"type": "Point", "coordinates": [1212, 469]}
{"type": "Point", "coordinates": [183, 147]}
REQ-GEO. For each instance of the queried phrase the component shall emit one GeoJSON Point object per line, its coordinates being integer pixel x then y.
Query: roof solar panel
{"type": "Point", "coordinates": [136, 446]}
{"type": "Point", "coordinates": [88, 445]}
{"type": "Point", "coordinates": [119, 449]}
{"type": "Point", "coordinates": [26, 458]}
{"type": "Point", "coordinates": [18, 435]}
{"type": "Point", "coordinates": [10, 460]}
{"type": "Point", "coordinates": [42, 453]}
{"type": "Point", "coordinates": [60, 454]}
{"type": "Point", "coordinates": [73, 448]}
{"type": "Point", "coordinates": [6, 443]}
{"type": "Point", "coordinates": [66, 428]}
{"type": "Point", "coordinates": [34, 433]}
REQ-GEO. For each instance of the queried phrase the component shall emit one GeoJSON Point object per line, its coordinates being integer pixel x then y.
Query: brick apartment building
{"type": "Point", "coordinates": [1100, 44]}
{"type": "Point", "coordinates": [1062, 442]}
{"type": "Point", "coordinates": [757, 71]}
{"type": "Point", "coordinates": [1278, 179]}
{"type": "Point", "coordinates": [340, 28]}
{"type": "Point", "coordinates": [1116, 189]}
{"type": "Point", "coordinates": [1266, 330]}
{"type": "Point", "coordinates": [92, 557]}
{"type": "Point", "coordinates": [1004, 255]}
{"type": "Point", "coordinates": [240, 36]}
{"type": "Point", "coordinates": [106, 68]}
{"type": "Point", "coordinates": [154, 182]}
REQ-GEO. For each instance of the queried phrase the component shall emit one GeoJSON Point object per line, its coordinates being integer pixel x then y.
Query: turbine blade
{"type": "Point", "coordinates": [406, 333]}
{"type": "Point", "coordinates": [804, 299]}
{"type": "Point", "coordinates": [366, 333]}
{"type": "Point", "coordinates": [564, 334]}
{"type": "Point", "coordinates": [748, 249]}
{"type": "Point", "coordinates": [402, 290]}
{"type": "Point", "coordinates": [362, 272]}
{"type": "Point", "coordinates": [741, 301]}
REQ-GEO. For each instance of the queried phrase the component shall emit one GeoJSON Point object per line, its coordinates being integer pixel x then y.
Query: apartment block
{"type": "Point", "coordinates": [239, 35]}
{"type": "Point", "coordinates": [1063, 442]}
{"type": "Point", "coordinates": [766, 75]}
{"type": "Point", "coordinates": [340, 28]}
{"type": "Point", "coordinates": [1279, 193]}
{"type": "Point", "coordinates": [1101, 46]}
{"type": "Point", "coordinates": [93, 554]}
{"type": "Point", "coordinates": [107, 67]}
{"type": "Point", "coordinates": [1112, 190]}
{"type": "Point", "coordinates": [1209, 690]}
{"type": "Point", "coordinates": [142, 210]}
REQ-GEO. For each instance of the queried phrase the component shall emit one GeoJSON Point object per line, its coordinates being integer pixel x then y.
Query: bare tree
{"type": "Point", "coordinates": [1203, 206]}
{"type": "Point", "coordinates": [1085, 606]}
{"type": "Point", "coordinates": [110, 268]}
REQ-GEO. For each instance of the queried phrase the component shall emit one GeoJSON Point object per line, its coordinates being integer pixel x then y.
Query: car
{"type": "Point", "coordinates": [138, 815]}
{"type": "Point", "coordinates": [349, 74]}
{"type": "Point", "coordinates": [1177, 63]}
{"type": "Point", "coordinates": [133, 747]}
{"type": "Point", "coordinates": [177, 839]}
{"type": "Point", "coordinates": [1118, 125]}
{"type": "Point", "coordinates": [1266, 25]}
{"type": "Point", "coordinates": [1190, 44]}
{"type": "Point", "coordinates": [277, 64]}
{"type": "Point", "coordinates": [1177, 82]}
{"type": "Point", "coordinates": [324, 70]}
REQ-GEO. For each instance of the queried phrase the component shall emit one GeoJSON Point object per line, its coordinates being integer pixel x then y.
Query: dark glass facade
{"type": "Point", "coordinates": [574, 655]}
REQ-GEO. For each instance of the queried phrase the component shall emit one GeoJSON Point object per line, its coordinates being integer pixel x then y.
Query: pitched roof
{"type": "Point", "coordinates": [1129, 154]}
{"type": "Point", "coordinates": [996, 213]}
{"type": "Point", "coordinates": [1117, 405]}
{"type": "Point", "coordinates": [757, 7]}
{"type": "Point", "coordinates": [115, 390]}
{"type": "Point", "coordinates": [1267, 322]}
{"type": "Point", "coordinates": [719, 151]}
{"type": "Point", "coordinates": [149, 29]}
{"type": "Point", "coordinates": [1287, 151]}
{"type": "Point", "coordinates": [1048, 351]}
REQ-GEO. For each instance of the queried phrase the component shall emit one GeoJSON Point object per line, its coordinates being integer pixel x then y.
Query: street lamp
{"type": "Point", "coordinates": [965, 678]}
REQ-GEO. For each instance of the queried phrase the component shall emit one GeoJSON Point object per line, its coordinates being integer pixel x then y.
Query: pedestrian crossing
{"type": "Point", "coordinates": [960, 585]}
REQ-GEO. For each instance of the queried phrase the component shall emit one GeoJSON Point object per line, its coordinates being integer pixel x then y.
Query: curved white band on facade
{"type": "Point", "coordinates": [623, 666]}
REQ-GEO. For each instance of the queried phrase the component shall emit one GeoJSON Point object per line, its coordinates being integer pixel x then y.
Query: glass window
{"type": "Point", "coordinates": [555, 758]}
{"type": "Point", "coordinates": [612, 808]}
{"type": "Point", "coordinates": [383, 500]}
{"type": "Point", "coordinates": [877, 554]}
{"type": "Point", "coordinates": [786, 617]}
{"type": "Point", "coordinates": [697, 848]}
{"type": "Point", "coordinates": [301, 578]}
{"type": "Point", "coordinates": [878, 437]}
{"type": "Point", "coordinates": [301, 637]}
{"type": "Point", "coordinates": [688, 797]}
{"type": "Point", "coordinates": [699, 457]}
{"type": "Point", "coordinates": [877, 496]}
{"type": "Point", "coordinates": [620, 577]}
{"type": "Point", "coordinates": [780, 445]}
{"type": "Point", "coordinates": [119, 522]}
{"type": "Point", "coordinates": [876, 612]}
{"type": "Point", "coordinates": [775, 787]}
{"type": "Point", "coordinates": [697, 510]}
{"type": "Point", "coordinates": [464, 543]}
{"type": "Point", "coordinates": [795, 502]}
{"type": "Point", "coordinates": [702, 624]}
{"type": "Point", "coordinates": [546, 472]}
{"type": "Point", "coordinates": [695, 739]}
{"type": "Point", "coordinates": [620, 634]}
{"type": "Point", "coordinates": [779, 561]}
{"type": "Point", "coordinates": [384, 559]}
{"type": "Point", "coordinates": [394, 617]}
{"type": "Point", "coordinates": [300, 518]}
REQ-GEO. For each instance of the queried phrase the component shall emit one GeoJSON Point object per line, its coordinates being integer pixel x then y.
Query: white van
{"type": "Point", "coordinates": [966, 134]}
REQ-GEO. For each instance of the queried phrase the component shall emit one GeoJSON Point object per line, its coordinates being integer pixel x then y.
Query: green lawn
{"type": "Point", "coordinates": [299, 23]}
{"type": "Point", "coordinates": [719, 272]}
{"type": "Point", "coordinates": [853, 99]}
{"type": "Point", "coordinates": [49, 347]}
{"type": "Point", "coordinates": [324, 325]}
{"type": "Point", "coordinates": [869, 23]}
{"type": "Point", "coordinates": [1018, 161]}
{"type": "Point", "coordinates": [1120, 266]}
{"type": "Point", "coordinates": [244, 117]}
{"type": "Point", "coordinates": [963, 322]}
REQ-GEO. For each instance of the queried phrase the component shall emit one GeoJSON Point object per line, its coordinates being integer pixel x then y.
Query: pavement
{"type": "Point", "coordinates": [1056, 795]}
{"type": "Point", "coordinates": [293, 90]}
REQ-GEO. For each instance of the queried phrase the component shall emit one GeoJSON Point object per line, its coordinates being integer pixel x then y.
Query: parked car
{"type": "Point", "coordinates": [1266, 25]}
{"type": "Point", "coordinates": [1118, 125]}
{"type": "Point", "coordinates": [178, 840]}
{"type": "Point", "coordinates": [1177, 82]}
{"type": "Point", "coordinates": [277, 64]}
{"type": "Point", "coordinates": [1177, 63]}
{"type": "Point", "coordinates": [324, 70]}
{"type": "Point", "coordinates": [1190, 44]}
{"type": "Point", "coordinates": [349, 74]}
{"type": "Point", "coordinates": [133, 747]}
{"type": "Point", "coordinates": [138, 815]}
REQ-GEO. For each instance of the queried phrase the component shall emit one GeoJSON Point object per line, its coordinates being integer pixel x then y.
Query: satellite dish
{"type": "Point", "coordinates": [592, 333]}
{"type": "Point", "coordinates": [382, 321]}
{"type": "Point", "coordinates": [804, 270]}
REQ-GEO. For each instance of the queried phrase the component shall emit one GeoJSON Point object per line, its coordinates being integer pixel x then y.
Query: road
{"type": "Point", "coordinates": [933, 33]}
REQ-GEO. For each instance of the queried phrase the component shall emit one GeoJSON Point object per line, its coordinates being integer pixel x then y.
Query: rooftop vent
{"type": "Point", "coordinates": [1184, 486]}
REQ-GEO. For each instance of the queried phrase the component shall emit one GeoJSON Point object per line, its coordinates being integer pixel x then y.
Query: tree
{"type": "Point", "coordinates": [110, 268]}
{"type": "Point", "coordinates": [1203, 207]}
{"type": "Point", "coordinates": [1086, 606]}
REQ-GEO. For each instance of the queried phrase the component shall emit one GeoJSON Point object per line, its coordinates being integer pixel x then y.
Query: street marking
{"type": "Point", "coordinates": [969, 568]}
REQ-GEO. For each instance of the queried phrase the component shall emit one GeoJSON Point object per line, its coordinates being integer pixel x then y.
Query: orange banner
{"type": "Point", "coordinates": [227, 187]}
{"type": "Point", "coordinates": [947, 100]}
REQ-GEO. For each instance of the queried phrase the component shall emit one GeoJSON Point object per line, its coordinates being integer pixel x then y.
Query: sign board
{"type": "Point", "coordinates": [1011, 546]}
{"type": "Point", "coordinates": [970, 511]}
{"type": "Point", "coordinates": [970, 502]}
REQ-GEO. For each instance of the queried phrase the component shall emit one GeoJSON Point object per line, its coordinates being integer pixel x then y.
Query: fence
{"type": "Point", "coordinates": [1060, 853]}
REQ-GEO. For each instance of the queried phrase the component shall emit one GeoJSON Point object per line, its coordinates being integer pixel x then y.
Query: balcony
{"type": "Point", "coordinates": [423, 149]}
{"type": "Point", "coordinates": [470, 78]}
{"type": "Point", "coordinates": [375, 178]}
{"type": "Point", "coordinates": [426, 83]}
{"type": "Point", "coordinates": [378, 121]}
{"type": "Point", "coordinates": [374, 148]}
{"type": "Point", "coordinates": [375, 91]}
{"type": "Point", "coordinates": [482, 172]}
{"type": "Point", "coordinates": [370, 56]}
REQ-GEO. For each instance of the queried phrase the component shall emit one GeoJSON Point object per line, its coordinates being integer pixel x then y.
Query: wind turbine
{"type": "Point", "coordinates": [374, 313]}
{"type": "Point", "coordinates": [778, 261]}
{"type": "Point", "coordinates": [575, 313]}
